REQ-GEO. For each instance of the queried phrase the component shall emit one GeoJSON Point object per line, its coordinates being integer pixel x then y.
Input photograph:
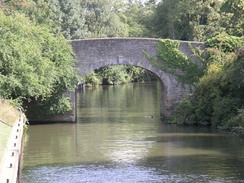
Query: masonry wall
{"type": "Point", "coordinates": [92, 54]}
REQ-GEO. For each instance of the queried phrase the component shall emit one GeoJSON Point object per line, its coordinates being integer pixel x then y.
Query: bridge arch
{"type": "Point", "coordinates": [93, 54]}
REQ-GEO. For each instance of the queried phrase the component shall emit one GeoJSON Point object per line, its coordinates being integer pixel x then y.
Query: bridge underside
{"type": "Point", "coordinates": [171, 90]}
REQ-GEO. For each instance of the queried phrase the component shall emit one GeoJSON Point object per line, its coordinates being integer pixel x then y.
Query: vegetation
{"type": "Point", "coordinates": [218, 97]}
{"type": "Point", "coordinates": [36, 64]}
{"type": "Point", "coordinates": [171, 60]}
{"type": "Point", "coordinates": [4, 134]}
{"type": "Point", "coordinates": [119, 74]}
{"type": "Point", "coordinates": [8, 115]}
{"type": "Point", "coordinates": [196, 20]}
{"type": "Point", "coordinates": [36, 61]}
{"type": "Point", "coordinates": [219, 94]}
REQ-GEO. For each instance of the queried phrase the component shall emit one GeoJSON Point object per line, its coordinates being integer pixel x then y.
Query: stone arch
{"type": "Point", "coordinates": [170, 95]}
{"type": "Point", "coordinates": [92, 54]}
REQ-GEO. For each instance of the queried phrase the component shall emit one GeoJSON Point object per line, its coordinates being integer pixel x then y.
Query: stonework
{"type": "Point", "coordinates": [93, 54]}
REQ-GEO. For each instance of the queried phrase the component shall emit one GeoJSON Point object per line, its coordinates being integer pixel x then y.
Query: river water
{"type": "Point", "coordinates": [115, 141]}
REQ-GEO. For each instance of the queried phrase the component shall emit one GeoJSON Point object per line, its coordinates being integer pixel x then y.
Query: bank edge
{"type": "Point", "coordinates": [10, 165]}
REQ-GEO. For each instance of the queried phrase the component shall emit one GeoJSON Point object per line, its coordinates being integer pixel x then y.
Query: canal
{"type": "Point", "coordinates": [116, 140]}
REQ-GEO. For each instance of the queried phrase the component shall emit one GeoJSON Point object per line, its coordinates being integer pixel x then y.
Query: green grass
{"type": "Point", "coordinates": [4, 135]}
{"type": "Point", "coordinates": [8, 114]}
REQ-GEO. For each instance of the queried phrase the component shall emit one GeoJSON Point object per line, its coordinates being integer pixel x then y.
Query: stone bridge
{"type": "Point", "coordinates": [93, 54]}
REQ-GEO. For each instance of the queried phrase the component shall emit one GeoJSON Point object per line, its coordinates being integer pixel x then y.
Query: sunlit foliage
{"type": "Point", "coordinates": [35, 64]}
{"type": "Point", "coordinates": [219, 94]}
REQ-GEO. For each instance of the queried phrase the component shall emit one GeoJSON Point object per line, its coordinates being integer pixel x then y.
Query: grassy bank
{"type": "Point", "coordinates": [8, 115]}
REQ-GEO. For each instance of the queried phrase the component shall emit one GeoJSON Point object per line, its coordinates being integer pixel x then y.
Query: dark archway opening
{"type": "Point", "coordinates": [118, 74]}
{"type": "Point", "coordinates": [144, 76]}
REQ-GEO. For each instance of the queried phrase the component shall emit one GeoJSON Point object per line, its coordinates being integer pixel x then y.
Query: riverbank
{"type": "Point", "coordinates": [11, 134]}
{"type": "Point", "coordinates": [8, 116]}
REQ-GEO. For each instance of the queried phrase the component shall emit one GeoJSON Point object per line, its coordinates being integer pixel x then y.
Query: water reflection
{"type": "Point", "coordinates": [114, 142]}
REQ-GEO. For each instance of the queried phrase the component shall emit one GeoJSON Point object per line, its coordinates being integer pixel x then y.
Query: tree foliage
{"type": "Point", "coordinates": [118, 74]}
{"type": "Point", "coordinates": [35, 64]}
{"type": "Point", "coordinates": [135, 17]}
{"type": "Point", "coordinates": [234, 11]}
{"type": "Point", "coordinates": [65, 16]}
{"type": "Point", "coordinates": [70, 18]}
{"type": "Point", "coordinates": [196, 20]}
{"type": "Point", "coordinates": [102, 19]}
{"type": "Point", "coordinates": [219, 94]}
{"type": "Point", "coordinates": [225, 43]}
{"type": "Point", "coordinates": [38, 12]}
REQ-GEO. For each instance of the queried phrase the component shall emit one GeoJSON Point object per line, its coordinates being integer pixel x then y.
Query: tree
{"type": "Point", "coordinates": [71, 16]}
{"type": "Point", "coordinates": [35, 65]}
{"type": "Point", "coordinates": [102, 19]}
{"type": "Point", "coordinates": [134, 17]}
{"type": "Point", "coordinates": [233, 11]}
{"type": "Point", "coordinates": [218, 98]}
{"type": "Point", "coordinates": [186, 19]}
{"type": "Point", "coordinates": [66, 16]}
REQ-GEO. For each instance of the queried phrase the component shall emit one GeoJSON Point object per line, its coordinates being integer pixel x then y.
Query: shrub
{"type": "Point", "coordinates": [225, 43]}
{"type": "Point", "coordinates": [34, 63]}
{"type": "Point", "coordinates": [218, 98]}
